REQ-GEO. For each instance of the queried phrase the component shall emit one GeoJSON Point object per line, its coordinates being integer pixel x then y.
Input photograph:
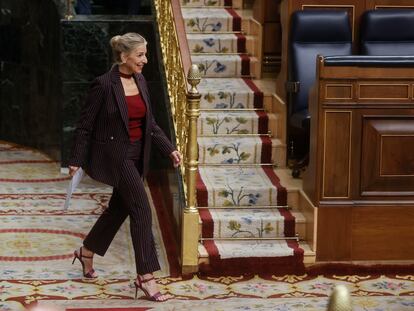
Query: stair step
{"type": "Point", "coordinates": [229, 122]}
{"type": "Point", "coordinates": [229, 93]}
{"type": "Point", "coordinates": [239, 186]}
{"type": "Point", "coordinates": [254, 223]}
{"type": "Point", "coordinates": [240, 122]}
{"type": "Point", "coordinates": [206, 3]}
{"type": "Point", "coordinates": [237, 150]}
{"type": "Point", "coordinates": [250, 249]}
{"type": "Point", "coordinates": [216, 43]}
{"type": "Point", "coordinates": [309, 255]}
{"type": "Point", "coordinates": [222, 66]}
{"type": "Point", "coordinates": [211, 20]}
{"type": "Point", "coordinates": [219, 220]}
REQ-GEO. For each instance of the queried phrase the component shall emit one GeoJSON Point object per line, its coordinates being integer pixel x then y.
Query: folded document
{"type": "Point", "coordinates": [74, 182]}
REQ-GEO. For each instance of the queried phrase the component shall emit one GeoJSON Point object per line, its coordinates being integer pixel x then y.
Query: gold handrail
{"type": "Point", "coordinates": [185, 108]}
{"type": "Point", "coordinates": [174, 71]}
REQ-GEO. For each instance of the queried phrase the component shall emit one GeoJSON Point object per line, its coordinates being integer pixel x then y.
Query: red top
{"type": "Point", "coordinates": [136, 114]}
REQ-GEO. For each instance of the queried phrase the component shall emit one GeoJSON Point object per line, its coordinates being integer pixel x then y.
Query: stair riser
{"type": "Point", "coordinates": [232, 101]}
{"type": "Point", "coordinates": [211, 20]}
{"type": "Point", "coordinates": [222, 66]}
{"type": "Point", "coordinates": [239, 186]}
{"type": "Point", "coordinates": [229, 94]}
{"type": "Point", "coordinates": [210, 44]}
{"type": "Point", "coordinates": [300, 230]}
{"type": "Point", "coordinates": [232, 123]}
{"type": "Point", "coordinates": [239, 151]}
{"type": "Point", "coordinates": [253, 154]}
{"type": "Point", "coordinates": [236, 4]}
{"type": "Point", "coordinates": [265, 196]}
{"type": "Point", "coordinates": [207, 25]}
{"type": "Point", "coordinates": [254, 223]}
{"type": "Point", "coordinates": [205, 3]}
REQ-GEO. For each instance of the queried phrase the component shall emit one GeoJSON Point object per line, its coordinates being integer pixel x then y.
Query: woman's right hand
{"type": "Point", "coordinates": [72, 170]}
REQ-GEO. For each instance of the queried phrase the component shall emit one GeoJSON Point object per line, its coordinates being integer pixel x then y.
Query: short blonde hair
{"type": "Point", "coordinates": [125, 44]}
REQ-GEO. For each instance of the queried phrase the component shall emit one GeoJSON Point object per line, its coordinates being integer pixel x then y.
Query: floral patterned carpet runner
{"type": "Point", "coordinates": [235, 150]}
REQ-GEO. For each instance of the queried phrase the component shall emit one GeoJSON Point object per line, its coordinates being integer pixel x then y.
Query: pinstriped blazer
{"type": "Point", "coordinates": [101, 137]}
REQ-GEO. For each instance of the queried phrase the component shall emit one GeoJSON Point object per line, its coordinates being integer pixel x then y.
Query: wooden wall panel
{"type": "Point", "coordinates": [389, 237]}
{"type": "Point", "coordinates": [339, 91]}
{"type": "Point", "coordinates": [271, 42]}
{"type": "Point", "coordinates": [387, 158]}
{"type": "Point", "coordinates": [384, 91]}
{"type": "Point", "coordinates": [376, 233]}
{"type": "Point", "coordinates": [395, 159]}
{"type": "Point", "coordinates": [389, 4]}
{"type": "Point", "coordinates": [334, 236]}
{"type": "Point", "coordinates": [337, 154]}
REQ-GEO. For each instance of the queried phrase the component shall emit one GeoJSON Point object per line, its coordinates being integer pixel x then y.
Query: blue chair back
{"type": "Point", "coordinates": [387, 32]}
{"type": "Point", "coordinates": [314, 32]}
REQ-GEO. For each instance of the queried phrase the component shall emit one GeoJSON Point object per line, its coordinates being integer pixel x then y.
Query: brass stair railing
{"type": "Point", "coordinates": [185, 108]}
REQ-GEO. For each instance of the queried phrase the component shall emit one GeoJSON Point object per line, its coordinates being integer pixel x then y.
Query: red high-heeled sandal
{"type": "Point", "coordinates": [155, 297]}
{"type": "Point", "coordinates": [91, 273]}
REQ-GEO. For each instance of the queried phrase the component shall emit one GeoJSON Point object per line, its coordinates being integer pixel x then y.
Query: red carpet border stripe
{"type": "Point", "coordinates": [208, 223]}
{"type": "Point", "coordinates": [289, 222]}
{"type": "Point", "coordinates": [241, 43]}
{"type": "Point", "coordinates": [263, 122]}
{"type": "Point", "coordinates": [202, 194]}
{"type": "Point", "coordinates": [281, 191]}
{"type": "Point", "coordinates": [266, 156]}
{"type": "Point", "coordinates": [258, 95]}
{"type": "Point", "coordinates": [245, 65]}
{"type": "Point", "coordinates": [236, 19]}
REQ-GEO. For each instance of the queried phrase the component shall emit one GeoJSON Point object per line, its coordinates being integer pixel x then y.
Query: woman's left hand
{"type": "Point", "coordinates": [176, 158]}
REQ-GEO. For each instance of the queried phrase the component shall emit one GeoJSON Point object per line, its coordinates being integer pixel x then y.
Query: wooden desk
{"type": "Point", "coordinates": [361, 171]}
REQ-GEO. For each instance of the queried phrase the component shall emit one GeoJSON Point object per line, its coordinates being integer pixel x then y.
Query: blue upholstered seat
{"type": "Point", "coordinates": [312, 32]}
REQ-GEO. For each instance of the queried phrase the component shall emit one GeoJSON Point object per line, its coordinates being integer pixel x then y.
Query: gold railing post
{"type": "Point", "coordinates": [340, 299]}
{"type": "Point", "coordinates": [185, 108]}
{"type": "Point", "coordinates": [190, 230]}
{"type": "Point", "coordinates": [68, 14]}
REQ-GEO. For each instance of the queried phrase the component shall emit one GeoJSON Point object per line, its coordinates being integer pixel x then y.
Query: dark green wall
{"type": "Point", "coordinates": [29, 74]}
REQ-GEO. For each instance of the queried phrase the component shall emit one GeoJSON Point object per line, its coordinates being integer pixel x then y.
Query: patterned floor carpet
{"type": "Point", "coordinates": [37, 239]}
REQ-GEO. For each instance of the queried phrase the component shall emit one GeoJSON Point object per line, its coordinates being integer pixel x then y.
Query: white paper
{"type": "Point", "coordinates": [74, 182]}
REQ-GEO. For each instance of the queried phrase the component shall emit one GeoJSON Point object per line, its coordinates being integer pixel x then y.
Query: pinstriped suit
{"type": "Point", "coordinates": [102, 147]}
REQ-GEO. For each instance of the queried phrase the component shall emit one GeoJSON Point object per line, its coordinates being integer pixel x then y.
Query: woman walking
{"type": "Point", "coordinates": [112, 143]}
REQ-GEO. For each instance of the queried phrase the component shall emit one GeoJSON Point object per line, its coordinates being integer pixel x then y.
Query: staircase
{"type": "Point", "coordinates": [246, 225]}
